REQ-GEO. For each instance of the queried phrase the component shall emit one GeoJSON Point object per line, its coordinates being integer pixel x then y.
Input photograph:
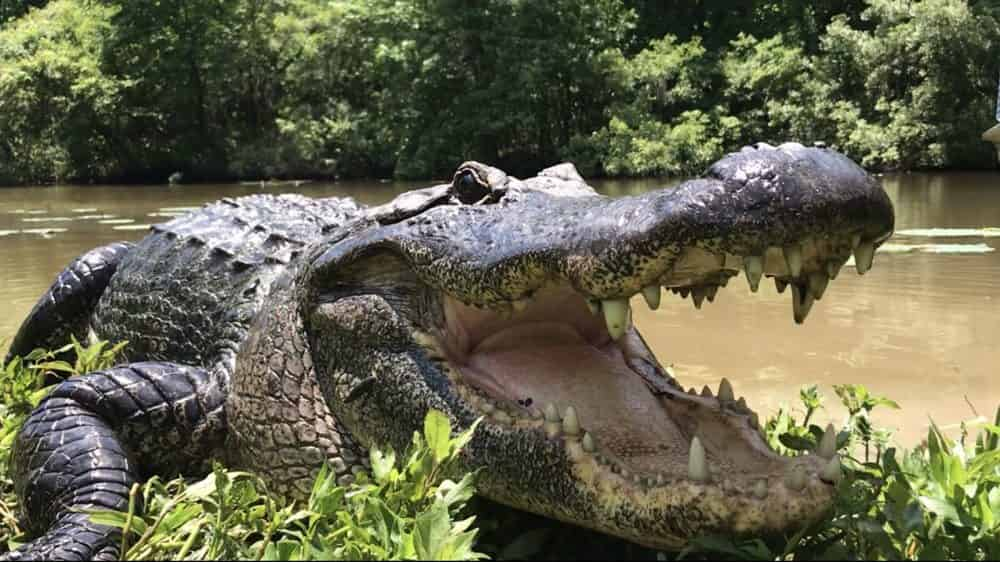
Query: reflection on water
{"type": "Point", "coordinates": [921, 327]}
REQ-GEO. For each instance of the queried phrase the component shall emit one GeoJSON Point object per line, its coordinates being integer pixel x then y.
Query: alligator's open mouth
{"type": "Point", "coordinates": [574, 369]}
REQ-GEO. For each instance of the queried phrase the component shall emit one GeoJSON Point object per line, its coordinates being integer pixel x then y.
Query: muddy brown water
{"type": "Point", "coordinates": [923, 327]}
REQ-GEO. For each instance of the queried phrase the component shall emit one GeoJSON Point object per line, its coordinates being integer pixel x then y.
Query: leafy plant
{"type": "Point", "coordinates": [405, 510]}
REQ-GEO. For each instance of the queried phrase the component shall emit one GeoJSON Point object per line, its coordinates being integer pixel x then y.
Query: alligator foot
{"type": "Point", "coordinates": [94, 437]}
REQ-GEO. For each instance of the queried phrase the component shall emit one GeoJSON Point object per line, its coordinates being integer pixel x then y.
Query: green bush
{"type": "Point", "coordinates": [938, 500]}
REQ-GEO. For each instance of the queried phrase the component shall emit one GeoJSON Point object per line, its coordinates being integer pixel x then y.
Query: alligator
{"type": "Point", "coordinates": [279, 333]}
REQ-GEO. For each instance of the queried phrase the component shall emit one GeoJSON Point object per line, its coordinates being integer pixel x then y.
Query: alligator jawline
{"type": "Point", "coordinates": [549, 365]}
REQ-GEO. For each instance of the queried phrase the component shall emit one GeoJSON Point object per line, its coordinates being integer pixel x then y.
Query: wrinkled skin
{"type": "Point", "coordinates": [323, 329]}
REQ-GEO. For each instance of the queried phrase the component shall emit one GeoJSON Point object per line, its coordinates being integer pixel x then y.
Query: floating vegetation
{"type": "Point", "coordinates": [47, 219]}
{"type": "Point", "coordinates": [95, 217]}
{"type": "Point", "coordinates": [44, 232]}
{"type": "Point", "coordinates": [116, 221]}
{"type": "Point", "coordinates": [980, 248]}
{"type": "Point", "coordinates": [132, 227]}
{"type": "Point", "coordinates": [988, 232]}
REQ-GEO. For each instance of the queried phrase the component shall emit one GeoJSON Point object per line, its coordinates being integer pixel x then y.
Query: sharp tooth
{"type": "Point", "coordinates": [802, 301]}
{"type": "Point", "coordinates": [574, 450]}
{"type": "Point", "coordinates": [501, 416]}
{"type": "Point", "coordinates": [833, 269]}
{"type": "Point", "coordinates": [552, 429]}
{"type": "Point", "coordinates": [817, 284]}
{"type": "Point", "coordinates": [780, 285]}
{"type": "Point", "coordinates": [588, 443]}
{"type": "Point", "coordinates": [855, 240]}
{"type": "Point", "coordinates": [594, 305]}
{"type": "Point", "coordinates": [571, 424]}
{"type": "Point", "coordinates": [551, 413]}
{"type": "Point", "coordinates": [697, 467]}
{"type": "Point", "coordinates": [685, 291]}
{"type": "Point", "coordinates": [711, 291]}
{"type": "Point", "coordinates": [520, 305]}
{"type": "Point", "coordinates": [706, 392]}
{"type": "Point", "coordinates": [795, 480]}
{"type": "Point", "coordinates": [760, 489]}
{"type": "Point", "coordinates": [864, 253]}
{"type": "Point", "coordinates": [753, 266]}
{"type": "Point", "coordinates": [535, 413]}
{"type": "Point", "coordinates": [652, 296]}
{"type": "Point", "coordinates": [742, 404]}
{"type": "Point", "coordinates": [660, 479]}
{"type": "Point", "coordinates": [616, 313]}
{"type": "Point", "coordinates": [754, 420]}
{"type": "Point", "coordinates": [828, 443]}
{"type": "Point", "coordinates": [698, 296]}
{"type": "Point", "coordinates": [692, 391]}
{"type": "Point", "coordinates": [793, 259]}
{"type": "Point", "coordinates": [831, 472]}
{"type": "Point", "coordinates": [726, 391]}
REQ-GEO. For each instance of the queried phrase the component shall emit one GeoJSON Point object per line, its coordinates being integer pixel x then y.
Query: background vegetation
{"type": "Point", "coordinates": [940, 500]}
{"type": "Point", "coordinates": [222, 89]}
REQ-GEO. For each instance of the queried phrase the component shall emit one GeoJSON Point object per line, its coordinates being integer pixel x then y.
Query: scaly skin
{"type": "Point", "coordinates": [328, 329]}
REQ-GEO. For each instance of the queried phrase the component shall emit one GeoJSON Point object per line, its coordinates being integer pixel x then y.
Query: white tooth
{"type": "Point", "coordinates": [697, 466]}
{"type": "Point", "coordinates": [692, 391]}
{"type": "Point", "coordinates": [855, 240]}
{"type": "Point", "coordinates": [831, 472]}
{"type": "Point", "coordinates": [832, 269]}
{"type": "Point", "coordinates": [588, 443]}
{"type": "Point", "coordinates": [795, 480]}
{"type": "Point", "coordinates": [828, 443]}
{"type": "Point", "coordinates": [817, 284]}
{"type": "Point", "coordinates": [552, 429]}
{"type": "Point", "coordinates": [742, 403]}
{"type": "Point", "coordinates": [551, 413]}
{"type": "Point", "coordinates": [706, 392]}
{"type": "Point", "coordinates": [571, 424]}
{"type": "Point", "coordinates": [864, 253]}
{"type": "Point", "coordinates": [616, 313]}
{"type": "Point", "coordinates": [711, 291]}
{"type": "Point", "coordinates": [652, 296]}
{"type": "Point", "coordinates": [726, 390]}
{"type": "Point", "coordinates": [501, 416]}
{"type": "Point", "coordinates": [594, 305]}
{"type": "Point", "coordinates": [698, 296]}
{"type": "Point", "coordinates": [574, 450]}
{"type": "Point", "coordinates": [780, 285]}
{"type": "Point", "coordinates": [760, 489]}
{"type": "Point", "coordinates": [754, 420]}
{"type": "Point", "coordinates": [520, 305]}
{"type": "Point", "coordinates": [535, 413]}
{"type": "Point", "coordinates": [802, 301]}
{"type": "Point", "coordinates": [793, 259]}
{"type": "Point", "coordinates": [753, 266]}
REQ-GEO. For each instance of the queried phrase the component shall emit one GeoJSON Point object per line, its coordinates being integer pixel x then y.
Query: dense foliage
{"type": "Point", "coordinates": [940, 500]}
{"type": "Point", "coordinates": [124, 90]}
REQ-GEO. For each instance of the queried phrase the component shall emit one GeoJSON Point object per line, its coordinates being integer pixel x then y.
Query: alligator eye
{"type": "Point", "coordinates": [468, 187]}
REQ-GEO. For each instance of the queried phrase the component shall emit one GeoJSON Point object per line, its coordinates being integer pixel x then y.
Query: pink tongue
{"type": "Point", "coordinates": [549, 362]}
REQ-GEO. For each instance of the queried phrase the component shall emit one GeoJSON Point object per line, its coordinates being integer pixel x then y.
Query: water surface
{"type": "Point", "coordinates": [922, 327]}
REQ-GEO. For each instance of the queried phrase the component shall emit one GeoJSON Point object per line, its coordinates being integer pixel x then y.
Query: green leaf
{"type": "Point", "coordinates": [437, 433]}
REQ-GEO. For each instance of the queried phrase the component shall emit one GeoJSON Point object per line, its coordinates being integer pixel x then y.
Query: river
{"type": "Point", "coordinates": [923, 327]}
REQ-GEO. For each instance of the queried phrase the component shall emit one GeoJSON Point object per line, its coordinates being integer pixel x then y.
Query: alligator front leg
{"type": "Point", "coordinates": [95, 436]}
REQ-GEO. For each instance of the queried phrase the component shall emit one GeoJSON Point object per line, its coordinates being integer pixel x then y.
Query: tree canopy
{"type": "Point", "coordinates": [228, 89]}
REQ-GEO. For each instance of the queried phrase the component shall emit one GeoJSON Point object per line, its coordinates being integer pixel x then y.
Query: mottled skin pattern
{"type": "Point", "coordinates": [278, 332]}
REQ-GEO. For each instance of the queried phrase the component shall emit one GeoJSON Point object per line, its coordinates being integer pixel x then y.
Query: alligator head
{"type": "Point", "coordinates": [510, 300]}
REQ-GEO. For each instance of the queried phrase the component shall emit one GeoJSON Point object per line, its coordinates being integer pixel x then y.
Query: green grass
{"type": "Point", "coordinates": [938, 500]}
